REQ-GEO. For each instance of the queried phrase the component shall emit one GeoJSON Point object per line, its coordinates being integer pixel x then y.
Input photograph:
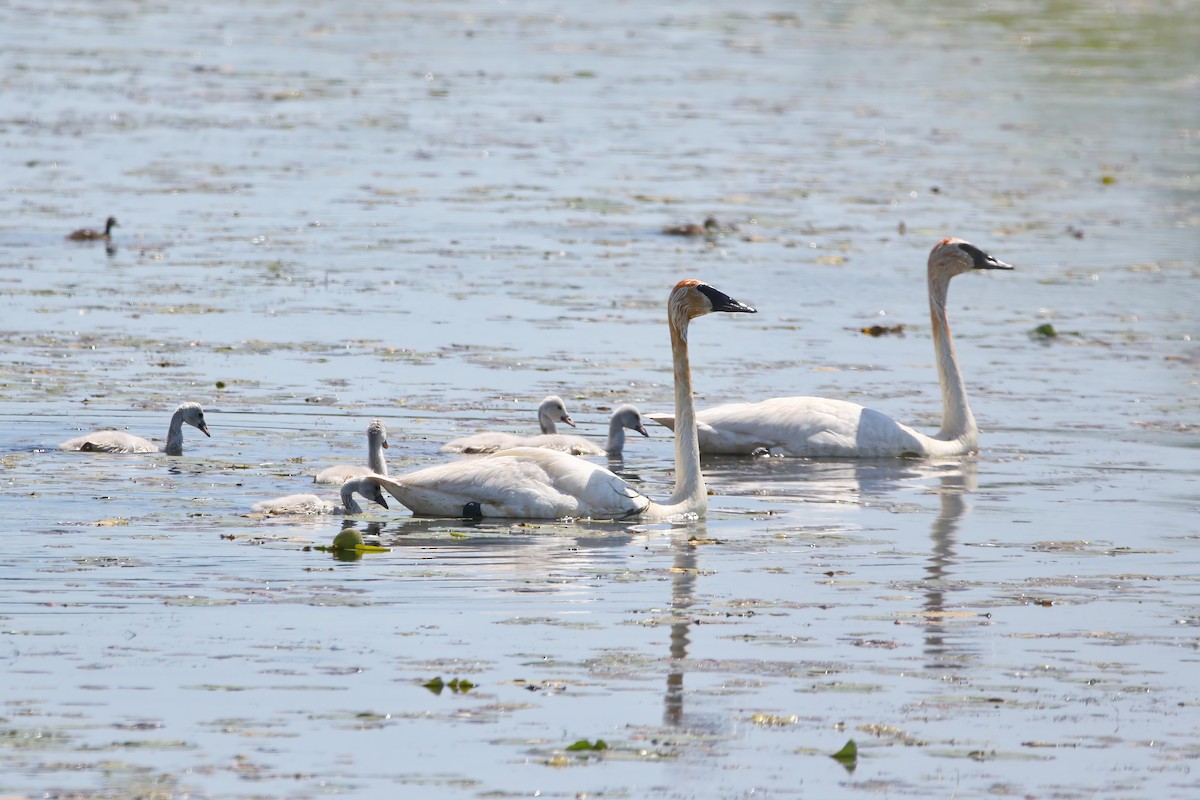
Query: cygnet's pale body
{"type": "Point", "coordinates": [551, 410]}
{"type": "Point", "coordinates": [625, 417]}
{"type": "Point", "coordinates": [309, 504]}
{"type": "Point", "coordinates": [122, 442]}
{"type": "Point", "coordinates": [376, 463]}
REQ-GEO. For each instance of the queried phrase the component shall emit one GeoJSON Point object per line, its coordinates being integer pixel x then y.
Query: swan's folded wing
{"type": "Point", "coordinates": [340, 474]}
{"type": "Point", "coordinates": [666, 420]}
{"type": "Point", "coordinates": [293, 504]}
{"type": "Point", "coordinates": [110, 442]}
{"type": "Point", "coordinates": [797, 426]}
{"type": "Point", "coordinates": [529, 483]}
{"type": "Point", "coordinates": [565, 443]}
{"type": "Point", "coordinates": [478, 443]}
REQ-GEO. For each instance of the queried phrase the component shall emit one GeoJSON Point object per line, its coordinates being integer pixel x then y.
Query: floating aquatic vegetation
{"type": "Point", "coordinates": [455, 685]}
{"type": "Point", "coordinates": [585, 745]}
{"type": "Point", "coordinates": [847, 756]}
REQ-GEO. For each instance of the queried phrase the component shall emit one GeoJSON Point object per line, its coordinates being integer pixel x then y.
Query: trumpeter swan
{"type": "Point", "coordinates": [529, 482]}
{"type": "Point", "coordinates": [551, 410]}
{"type": "Point", "coordinates": [626, 416]}
{"type": "Point", "coordinates": [376, 463]}
{"type": "Point", "coordinates": [121, 442]}
{"type": "Point", "coordinates": [89, 235]}
{"type": "Point", "coordinates": [816, 426]}
{"type": "Point", "coordinates": [311, 504]}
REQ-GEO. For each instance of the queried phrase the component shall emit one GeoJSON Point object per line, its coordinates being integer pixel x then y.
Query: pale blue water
{"type": "Point", "coordinates": [439, 213]}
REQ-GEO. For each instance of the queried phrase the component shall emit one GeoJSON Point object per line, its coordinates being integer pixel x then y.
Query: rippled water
{"type": "Point", "coordinates": [439, 213]}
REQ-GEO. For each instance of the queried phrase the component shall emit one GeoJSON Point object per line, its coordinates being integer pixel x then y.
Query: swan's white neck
{"type": "Point", "coordinates": [547, 424]}
{"type": "Point", "coordinates": [174, 445]}
{"type": "Point", "coordinates": [690, 495]}
{"type": "Point", "coordinates": [958, 423]}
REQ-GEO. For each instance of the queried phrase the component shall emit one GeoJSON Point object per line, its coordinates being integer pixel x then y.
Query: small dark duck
{"type": "Point", "coordinates": [89, 235]}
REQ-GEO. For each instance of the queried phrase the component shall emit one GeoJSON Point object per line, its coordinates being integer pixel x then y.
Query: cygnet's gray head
{"type": "Point", "coordinates": [629, 417]}
{"type": "Point", "coordinates": [377, 432]}
{"type": "Point", "coordinates": [551, 411]}
{"type": "Point", "coordinates": [193, 415]}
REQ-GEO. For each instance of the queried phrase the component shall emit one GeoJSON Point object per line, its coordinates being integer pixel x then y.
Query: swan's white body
{"type": "Point", "coordinates": [626, 416]}
{"type": "Point", "coordinates": [122, 442]}
{"type": "Point", "coordinates": [551, 411]}
{"type": "Point", "coordinates": [525, 482]}
{"type": "Point", "coordinates": [536, 483]}
{"type": "Point", "coordinates": [376, 463]}
{"type": "Point", "coordinates": [296, 504]}
{"type": "Point", "coordinates": [820, 427]}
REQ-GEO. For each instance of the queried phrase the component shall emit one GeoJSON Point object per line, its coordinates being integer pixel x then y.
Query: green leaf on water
{"type": "Point", "coordinates": [436, 685]}
{"type": "Point", "coordinates": [847, 756]}
{"type": "Point", "coordinates": [584, 744]}
{"type": "Point", "coordinates": [460, 685]}
{"type": "Point", "coordinates": [1044, 331]}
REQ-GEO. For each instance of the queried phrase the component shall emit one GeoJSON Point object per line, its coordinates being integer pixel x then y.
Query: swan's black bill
{"type": "Point", "coordinates": [982, 260]}
{"type": "Point", "coordinates": [723, 302]}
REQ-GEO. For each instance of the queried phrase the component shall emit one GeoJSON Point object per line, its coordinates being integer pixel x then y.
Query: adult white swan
{"type": "Point", "coordinates": [294, 504]}
{"type": "Point", "coordinates": [122, 442]}
{"type": "Point", "coordinates": [376, 463]}
{"type": "Point", "coordinates": [551, 410]}
{"type": "Point", "coordinates": [535, 483]}
{"type": "Point", "coordinates": [627, 417]}
{"type": "Point", "coordinates": [816, 426]}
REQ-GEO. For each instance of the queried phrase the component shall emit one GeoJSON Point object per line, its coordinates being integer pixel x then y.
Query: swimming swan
{"type": "Point", "coordinates": [121, 442]}
{"type": "Point", "coordinates": [550, 411]}
{"type": "Point", "coordinates": [376, 463]}
{"type": "Point", "coordinates": [626, 416]}
{"type": "Point", "coordinates": [816, 426]}
{"type": "Point", "coordinates": [311, 504]}
{"type": "Point", "coordinates": [89, 235]}
{"type": "Point", "coordinates": [534, 483]}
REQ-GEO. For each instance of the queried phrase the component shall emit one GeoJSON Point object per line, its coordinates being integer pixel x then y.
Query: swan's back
{"type": "Point", "coordinates": [522, 482]}
{"type": "Point", "coordinates": [110, 442]}
{"type": "Point", "coordinates": [294, 504]}
{"type": "Point", "coordinates": [550, 411]}
{"type": "Point", "coordinates": [480, 443]}
{"type": "Point", "coordinates": [804, 426]}
{"type": "Point", "coordinates": [341, 473]}
{"type": "Point", "coordinates": [563, 443]}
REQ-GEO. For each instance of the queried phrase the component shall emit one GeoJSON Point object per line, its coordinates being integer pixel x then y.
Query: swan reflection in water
{"type": "Point", "coordinates": [508, 555]}
{"type": "Point", "coordinates": [861, 482]}
{"type": "Point", "coordinates": [952, 493]}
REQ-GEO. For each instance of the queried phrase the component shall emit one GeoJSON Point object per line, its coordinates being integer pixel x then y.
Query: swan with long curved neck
{"type": "Point", "coordinates": [626, 417]}
{"type": "Point", "coordinates": [535, 483]}
{"type": "Point", "coordinates": [376, 463]}
{"type": "Point", "coordinates": [820, 427]}
{"type": "Point", "coordinates": [551, 410]}
{"type": "Point", "coordinates": [311, 504]}
{"type": "Point", "coordinates": [122, 442]}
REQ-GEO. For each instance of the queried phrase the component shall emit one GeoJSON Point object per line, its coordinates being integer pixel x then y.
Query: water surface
{"type": "Point", "coordinates": [439, 213]}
